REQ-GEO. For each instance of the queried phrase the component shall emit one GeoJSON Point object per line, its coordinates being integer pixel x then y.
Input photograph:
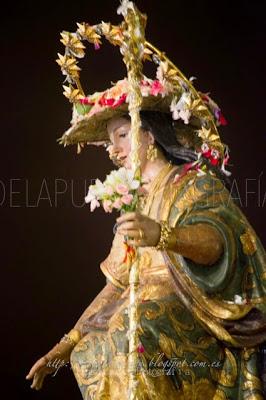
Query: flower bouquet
{"type": "Point", "coordinates": [119, 191]}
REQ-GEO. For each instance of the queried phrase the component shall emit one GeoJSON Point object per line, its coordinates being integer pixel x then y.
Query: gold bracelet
{"type": "Point", "coordinates": [73, 337]}
{"type": "Point", "coordinates": [165, 237]}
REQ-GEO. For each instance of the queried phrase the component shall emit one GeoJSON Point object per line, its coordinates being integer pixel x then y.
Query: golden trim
{"type": "Point", "coordinates": [111, 278]}
{"type": "Point", "coordinates": [248, 241]}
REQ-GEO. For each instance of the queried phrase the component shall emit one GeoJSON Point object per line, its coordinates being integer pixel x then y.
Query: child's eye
{"type": "Point", "coordinates": [122, 135]}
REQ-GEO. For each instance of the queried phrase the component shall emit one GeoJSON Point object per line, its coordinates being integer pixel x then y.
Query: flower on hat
{"type": "Point", "coordinates": [180, 109]}
{"type": "Point", "coordinates": [157, 88]}
{"type": "Point", "coordinates": [215, 109]}
{"type": "Point", "coordinates": [169, 87]}
{"type": "Point", "coordinates": [125, 6]}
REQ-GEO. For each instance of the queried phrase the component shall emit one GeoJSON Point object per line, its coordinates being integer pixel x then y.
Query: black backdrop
{"type": "Point", "coordinates": [51, 244]}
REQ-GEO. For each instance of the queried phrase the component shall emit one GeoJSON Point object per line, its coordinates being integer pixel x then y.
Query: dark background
{"type": "Point", "coordinates": [51, 244]}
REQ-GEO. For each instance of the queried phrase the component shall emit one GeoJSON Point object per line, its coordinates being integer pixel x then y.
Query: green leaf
{"type": "Point", "coordinates": [82, 109]}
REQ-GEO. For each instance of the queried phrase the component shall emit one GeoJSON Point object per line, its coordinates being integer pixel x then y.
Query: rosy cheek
{"type": "Point", "coordinates": [129, 148]}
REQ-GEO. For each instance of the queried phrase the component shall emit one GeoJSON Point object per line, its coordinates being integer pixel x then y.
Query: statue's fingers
{"type": "Point", "coordinates": [38, 380]}
{"type": "Point", "coordinates": [132, 234]}
{"type": "Point", "coordinates": [126, 225]}
{"type": "Point", "coordinates": [40, 363]}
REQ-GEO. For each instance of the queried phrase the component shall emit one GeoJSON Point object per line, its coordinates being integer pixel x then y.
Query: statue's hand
{"type": "Point", "coordinates": [49, 364]}
{"type": "Point", "coordinates": [140, 230]}
{"type": "Point", "coordinates": [38, 372]}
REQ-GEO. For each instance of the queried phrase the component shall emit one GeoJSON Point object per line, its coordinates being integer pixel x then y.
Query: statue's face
{"type": "Point", "coordinates": [119, 149]}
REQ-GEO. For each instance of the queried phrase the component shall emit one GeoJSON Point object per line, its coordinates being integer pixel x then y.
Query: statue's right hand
{"type": "Point", "coordinates": [38, 372]}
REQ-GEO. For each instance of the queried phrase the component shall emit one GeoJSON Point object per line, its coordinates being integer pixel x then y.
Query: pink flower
{"type": "Point", "coordinates": [156, 88]}
{"type": "Point", "coordinates": [145, 88]}
{"type": "Point", "coordinates": [117, 203]}
{"type": "Point", "coordinates": [127, 199]}
{"type": "Point", "coordinates": [121, 189]}
{"type": "Point", "coordinates": [96, 46]}
{"type": "Point", "coordinates": [107, 206]}
{"type": "Point", "coordinates": [226, 159]}
{"type": "Point", "coordinates": [109, 190]}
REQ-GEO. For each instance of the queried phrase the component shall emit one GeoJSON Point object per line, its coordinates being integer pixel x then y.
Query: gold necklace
{"type": "Point", "coordinates": [146, 201]}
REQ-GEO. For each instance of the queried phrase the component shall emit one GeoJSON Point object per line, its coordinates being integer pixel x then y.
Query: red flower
{"type": "Point", "coordinates": [112, 102]}
{"type": "Point", "coordinates": [140, 348]}
{"type": "Point", "coordinates": [120, 101]}
{"type": "Point", "coordinates": [214, 161]}
{"type": "Point", "coordinates": [186, 168]}
{"type": "Point", "coordinates": [207, 153]}
{"type": "Point", "coordinates": [222, 120]}
{"type": "Point", "coordinates": [106, 102]}
{"type": "Point", "coordinates": [86, 101]}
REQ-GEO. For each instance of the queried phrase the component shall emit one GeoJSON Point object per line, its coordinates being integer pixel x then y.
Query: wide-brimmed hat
{"type": "Point", "coordinates": [169, 92]}
{"type": "Point", "coordinates": [91, 113]}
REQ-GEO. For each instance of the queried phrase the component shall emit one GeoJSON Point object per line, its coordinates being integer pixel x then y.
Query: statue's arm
{"type": "Point", "coordinates": [100, 309]}
{"type": "Point", "coordinates": [201, 243]}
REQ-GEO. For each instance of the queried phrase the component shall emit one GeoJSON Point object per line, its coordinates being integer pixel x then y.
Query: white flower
{"type": "Point", "coordinates": [122, 176]}
{"type": "Point", "coordinates": [98, 189]}
{"type": "Point", "coordinates": [204, 147]}
{"type": "Point", "coordinates": [227, 173]}
{"type": "Point", "coordinates": [215, 153]}
{"type": "Point", "coordinates": [181, 109]}
{"type": "Point", "coordinates": [114, 192]}
{"type": "Point", "coordinates": [238, 300]}
{"type": "Point", "coordinates": [125, 6]}
{"type": "Point", "coordinates": [95, 194]}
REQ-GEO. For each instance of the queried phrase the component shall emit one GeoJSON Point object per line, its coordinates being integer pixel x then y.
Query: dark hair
{"type": "Point", "coordinates": [165, 133]}
{"type": "Point", "coordinates": [162, 127]}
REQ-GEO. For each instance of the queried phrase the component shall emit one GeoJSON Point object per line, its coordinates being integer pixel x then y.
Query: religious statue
{"type": "Point", "coordinates": [183, 312]}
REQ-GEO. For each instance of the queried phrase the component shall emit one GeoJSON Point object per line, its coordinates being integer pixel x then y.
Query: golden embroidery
{"type": "Point", "coordinates": [248, 242]}
{"type": "Point", "coordinates": [154, 313]}
{"type": "Point", "coordinates": [229, 372]}
{"type": "Point", "coordinates": [201, 389]}
{"type": "Point", "coordinates": [169, 346]}
{"type": "Point", "coordinates": [220, 395]}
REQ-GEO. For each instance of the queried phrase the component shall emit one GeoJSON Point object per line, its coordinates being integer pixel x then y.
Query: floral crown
{"type": "Point", "coordinates": [170, 91]}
